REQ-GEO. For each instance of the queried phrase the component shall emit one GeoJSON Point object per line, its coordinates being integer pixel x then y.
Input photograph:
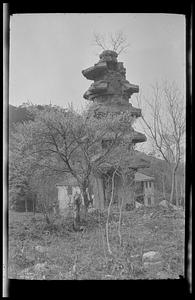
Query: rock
{"type": "Point", "coordinates": [40, 267]}
{"type": "Point", "coordinates": [151, 256]}
{"type": "Point", "coordinates": [146, 217]}
{"type": "Point", "coordinates": [155, 264]}
{"type": "Point", "coordinates": [179, 209]}
{"type": "Point", "coordinates": [138, 205]}
{"type": "Point", "coordinates": [164, 203]}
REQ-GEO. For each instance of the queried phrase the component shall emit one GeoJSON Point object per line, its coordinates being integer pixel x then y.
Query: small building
{"type": "Point", "coordinates": [66, 191]}
{"type": "Point", "coordinates": [144, 189]}
{"type": "Point", "coordinates": [143, 192]}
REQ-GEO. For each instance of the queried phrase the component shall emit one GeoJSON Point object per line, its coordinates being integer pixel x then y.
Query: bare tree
{"type": "Point", "coordinates": [116, 42]}
{"type": "Point", "coordinates": [165, 124]}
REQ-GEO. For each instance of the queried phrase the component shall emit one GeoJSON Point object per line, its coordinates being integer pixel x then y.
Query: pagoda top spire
{"type": "Point", "coordinates": [110, 92]}
{"type": "Point", "coordinates": [110, 85]}
{"type": "Point", "coordinates": [108, 55]}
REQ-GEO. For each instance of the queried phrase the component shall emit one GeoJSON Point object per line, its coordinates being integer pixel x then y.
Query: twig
{"type": "Point", "coordinates": [120, 216]}
{"type": "Point", "coordinates": [101, 233]}
{"type": "Point", "coordinates": [109, 207]}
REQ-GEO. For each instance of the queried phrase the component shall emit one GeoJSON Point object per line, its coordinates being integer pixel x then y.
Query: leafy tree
{"type": "Point", "coordinates": [61, 142]}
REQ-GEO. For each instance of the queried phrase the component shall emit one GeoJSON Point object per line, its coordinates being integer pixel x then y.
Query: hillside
{"type": "Point", "coordinates": [18, 114]}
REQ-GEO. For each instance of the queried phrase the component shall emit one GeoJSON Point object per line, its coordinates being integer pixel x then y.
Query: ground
{"type": "Point", "coordinates": [39, 251]}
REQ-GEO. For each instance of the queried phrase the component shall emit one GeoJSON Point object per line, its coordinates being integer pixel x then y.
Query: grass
{"type": "Point", "coordinates": [84, 255]}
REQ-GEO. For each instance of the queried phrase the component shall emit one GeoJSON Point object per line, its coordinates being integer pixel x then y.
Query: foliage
{"type": "Point", "coordinates": [60, 142]}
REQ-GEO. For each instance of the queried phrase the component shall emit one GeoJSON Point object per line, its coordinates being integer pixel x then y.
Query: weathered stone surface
{"type": "Point", "coordinates": [109, 79]}
{"type": "Point", "coordinates": [138, 137]}
{"type": "Point", "coordinates": [114, 104]}
{"type": "Point", "coordinates": [179, 209]}
{"type": "Point", "coordinates": [110, 93]}
{"type": "Point", "coordinates": [138, 205]}
{"type": "Point", "coordinates": [94, 72]}
{"type": "Point", "coordinates": [108, 55]}
{"type": "Point", "coordinates": [40, 267]}
{"type": "Point", "coordinates": [164, 203]}
{"type": "Point", "coordinates": [146, 217]}
{"type": "Point", "coordinates": [153, 264]}
{"type": "Point", "coordinates": [151, 256]}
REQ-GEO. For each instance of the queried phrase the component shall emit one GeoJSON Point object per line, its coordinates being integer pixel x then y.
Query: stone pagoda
{"type": "Point", "coordinates": [110, 93]}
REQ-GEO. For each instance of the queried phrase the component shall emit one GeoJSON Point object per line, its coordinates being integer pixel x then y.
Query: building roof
{"type": "Point", "coordinates": [112, 160]}
{"type": "Point", "coordinates": [73, 182]}
{"type": "Point", "coordinates": [142, 177]}
{"type": "Point", "coordinates": [68, 181]}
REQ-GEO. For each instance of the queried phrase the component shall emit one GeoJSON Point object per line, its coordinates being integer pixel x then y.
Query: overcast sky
{"type": "Point", "coordinates": [49, 51]}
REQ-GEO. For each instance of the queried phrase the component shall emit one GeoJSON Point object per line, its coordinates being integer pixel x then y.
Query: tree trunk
{"type": "Point", "coordinates": [120, 210]}
{"type": "Point", "coordinates": [163, 180]}
{"type": "Point", "coordinates": [86, 202]}
{"type": "Point", "coordinates": [173, 181]}
{"type": "Point", "coordinates": [109, 208]}
{"type": "Point", "coordinates": [176, 191]}
{"type": "Point", "coordinates": [44, 210]}
{"type": "Point", "coordinates": [77, 218]}
{"type": "Point", "coordinates": [129, 191]}
{"type": "Point", "coordinates": [26, 208]}
{"type": "Point", "coordinates": [182, 195]}
{"type": "Point", "coordinates": [173, 184]}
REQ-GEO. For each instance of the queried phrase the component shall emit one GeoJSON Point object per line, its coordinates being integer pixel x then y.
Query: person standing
{"type": "Point", "coordinates": [77, 200]}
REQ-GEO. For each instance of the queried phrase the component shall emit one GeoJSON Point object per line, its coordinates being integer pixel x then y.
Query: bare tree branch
{"type": "Point", "coordinates": [165, 124]}
{"type": "Point", "coordinates": [116, 42]}
{"type": "Point", "coordinates": [100, 41]}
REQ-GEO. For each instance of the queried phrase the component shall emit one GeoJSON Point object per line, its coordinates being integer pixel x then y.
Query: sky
{"type": "Point", "coordinates": [49, 51]}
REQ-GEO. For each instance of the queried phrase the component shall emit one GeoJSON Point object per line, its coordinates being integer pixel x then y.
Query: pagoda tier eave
{"type": "Point", "coordinates": [120, 108]}
{"type": "Point", "coordinates": [93, 72]}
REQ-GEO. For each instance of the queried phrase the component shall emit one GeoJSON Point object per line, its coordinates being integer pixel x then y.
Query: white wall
{"type": "Point", "coordinates": [64, 199]}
